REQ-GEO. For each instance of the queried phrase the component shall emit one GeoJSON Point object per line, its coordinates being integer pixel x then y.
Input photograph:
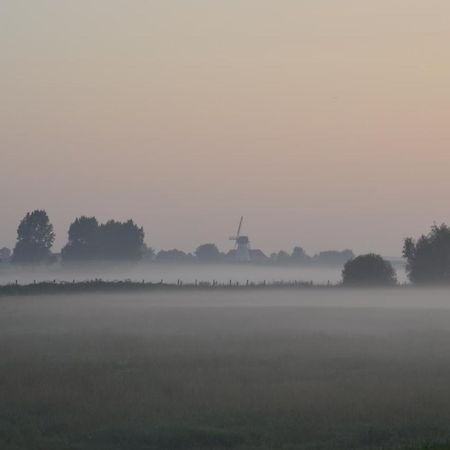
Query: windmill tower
{"type": "Point", "coordinates": [242, 244]}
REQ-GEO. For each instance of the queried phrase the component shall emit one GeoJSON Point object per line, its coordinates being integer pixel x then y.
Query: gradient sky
{"type": "Point", "coordinates": [326, 123]}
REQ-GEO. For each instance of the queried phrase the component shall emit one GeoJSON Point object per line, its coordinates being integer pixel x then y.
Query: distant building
{"type": "Point", "coordinates": [242, 252]}
{"type": "Point", "coordinates": [254, 256]}
{"type": "Point", "coordinates": [257, 256]}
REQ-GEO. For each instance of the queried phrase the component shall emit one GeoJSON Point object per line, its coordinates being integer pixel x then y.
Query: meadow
{"type": "Point", "coordinates": [287, 369]}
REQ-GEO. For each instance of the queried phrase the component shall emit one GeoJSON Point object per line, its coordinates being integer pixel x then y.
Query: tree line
{"type": "Point", "coordinates": [88, 240]}
{"type": "Point", "coordinates": [91, 241]}
{"type": "Point", "coordinates": [427, 262]}
{"type": "Point", "coordinates": [427, 258]}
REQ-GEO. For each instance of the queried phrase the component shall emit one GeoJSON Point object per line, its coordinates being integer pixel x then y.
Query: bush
{"type": "Point", "coordinates": [368, 270]}
{"type": "Point", "coordinates": [207, 253]}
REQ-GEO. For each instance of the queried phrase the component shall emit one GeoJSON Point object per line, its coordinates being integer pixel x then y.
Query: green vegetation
{"type": "Point", "coordinates": [432, 447]}
{"type": "Point", "coordinates": [118, 373]}
{"type": "Point", "coordinates": [437, 447]}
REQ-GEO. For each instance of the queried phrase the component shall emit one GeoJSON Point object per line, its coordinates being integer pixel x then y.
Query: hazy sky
{"type": "Point", "coordinates": [325, 122]}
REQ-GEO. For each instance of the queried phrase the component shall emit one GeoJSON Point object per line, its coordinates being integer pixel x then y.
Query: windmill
{"type": "Point", "coordinates": [242, 244]}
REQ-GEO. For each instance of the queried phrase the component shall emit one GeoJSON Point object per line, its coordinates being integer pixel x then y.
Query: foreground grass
{"type": "Point", "coordinates": [128, 286]}
{"type": "Point", "coordinates": [435, 447]}
{"type": "Point", "coordinates": [78, 373]}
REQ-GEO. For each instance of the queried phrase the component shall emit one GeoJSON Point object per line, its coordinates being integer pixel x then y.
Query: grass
{"type": "Point", "coordinates": [432, 447]}
{"type": "Point", "coordinates": [129, 286]}
{"type": "Point", "coordinates": [115, 373]}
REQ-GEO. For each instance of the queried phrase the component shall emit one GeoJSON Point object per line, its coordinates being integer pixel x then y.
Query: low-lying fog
{"type": "Point", "coordinates": [321, 368]}
{"type": "Point", "coordinates": [266, 311]}
{"type": "Point", "coordinates": [170, 273]}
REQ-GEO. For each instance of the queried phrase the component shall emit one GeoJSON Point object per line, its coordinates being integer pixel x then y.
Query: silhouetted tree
{"type": "Point", "coordinates": [83, 243]}
{"type": "Point", "coordinates": [35, 238]}
{"type": "Point", "coordinates": [207, 253]}
{"type": "Point", "coordinates": [148, 254]}
{"type": "Point", "coordinates": [283, 257]}
{"type": "Point", "coordinates": [333, 257]}
{"type": "Point", "coordinates": [428, 259]}
{"type": "Point", "coordinates": [368, 270]}
{"type": "Point", "coordinates": [5, 254]}
{"type": "Point", "coordinates": [89, 241]}
{"type": "Point", "coordinates": [299, 256]}
{"type": "Point", "coordinates": [121, 240]}
{"type": "Point", "coordinates": [173, 256]}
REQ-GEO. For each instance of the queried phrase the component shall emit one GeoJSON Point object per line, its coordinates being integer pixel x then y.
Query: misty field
{"type": "Point", "coordinates": [307, 369]}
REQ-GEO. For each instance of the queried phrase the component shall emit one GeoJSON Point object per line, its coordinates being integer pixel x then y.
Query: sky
{"type": "Point", "coordinates": [326, 123]}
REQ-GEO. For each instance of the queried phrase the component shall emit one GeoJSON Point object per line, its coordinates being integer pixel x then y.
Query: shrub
{"type": "Point", "coordinates": [369, 270]}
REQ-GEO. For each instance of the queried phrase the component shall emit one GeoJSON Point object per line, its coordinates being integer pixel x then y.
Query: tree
{"type": "Point", "coordinates": [368, 270]}
{"type": "Point", "coordinates": [333, 257]}
{"type": "Point", "coordinates": [83, 242]}
{"type": "Point", "coordinates": [207, 253]}
{"type": "Point", "coordinates": [121, 240]}
{"type": "Point", "coordinates": [299, 256]}
{"type": "Point", "coordinates": [35, 238]}
{"type": "Point", "coordinates": [173, 256]}
{"type": "Point", "coordinates": [283, 257]}
{"type": "Point", "coordinates": [91, 241]}
{"type": "Point", "coordinates": [148, 254]}
{"type": "Point", "coordinates": [428, 259]}
{"type": "Point", "coordinates": [5, 254]}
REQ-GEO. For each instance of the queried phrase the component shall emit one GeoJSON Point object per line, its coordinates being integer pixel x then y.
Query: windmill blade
{"type": "Point", "coordinates": [236, 237]}
{"type": "Point", "coordinates": [239, 227]}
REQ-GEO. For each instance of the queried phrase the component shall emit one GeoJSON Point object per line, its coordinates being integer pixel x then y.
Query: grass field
{"type": "Point", "coordinates": [176, 371]}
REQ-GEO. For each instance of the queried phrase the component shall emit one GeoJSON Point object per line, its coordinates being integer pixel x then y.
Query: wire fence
{"type": "Point", "coordinates": [100, 285]}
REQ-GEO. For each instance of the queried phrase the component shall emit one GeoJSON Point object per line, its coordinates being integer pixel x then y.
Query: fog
{"type": "Point", "coordinates": [132, 126]}
{"type": "Point", "coordinates": [188, 273]}
{"type": "Point", "coordinates": [265, 311]}
{"type": "Point", "coordinates": [268, 368]}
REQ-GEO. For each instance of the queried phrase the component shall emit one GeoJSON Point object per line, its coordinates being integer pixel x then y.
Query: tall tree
{"type": "Point", "coordinates": [121, 240]}
{"type": "Point", "coordinates": [83, 240]}
{"type": "Point", "coordinates": [428, 258]}
{"type": "Point", "coordinates": [5, 253]}
{"type": "Point", "coordinates": [35, 238]}
{"type": "Point", "coordinates": [113, 240]}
